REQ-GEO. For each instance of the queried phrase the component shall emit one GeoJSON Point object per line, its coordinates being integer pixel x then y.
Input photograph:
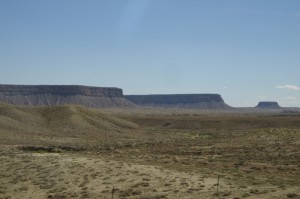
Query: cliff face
{"type": "Point", "coordinates": [97, 97]}
{"type": "Point", "coordinates": [200, 101]}
{"type": "Point", "coordinates": [46, 95]}
{"type": "Point", "coordinates": [268, 105]}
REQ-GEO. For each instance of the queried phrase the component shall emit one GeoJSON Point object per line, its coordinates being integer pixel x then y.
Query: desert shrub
{"type": "Point", "coordinates": [291, 195]}
{"type": "Point", "coordinates": [50, 149]}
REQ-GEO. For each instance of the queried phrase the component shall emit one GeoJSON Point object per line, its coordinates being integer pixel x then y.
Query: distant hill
{"type": "Point", "coordinates": [189, 101]}
{"type": "Point", "coordinates": [268, 105]}
{"type": "Point", "coordinates": [45, 95]}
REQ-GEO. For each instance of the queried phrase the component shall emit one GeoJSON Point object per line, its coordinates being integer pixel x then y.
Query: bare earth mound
{"type": "Point", "coordinates": [59, 125]}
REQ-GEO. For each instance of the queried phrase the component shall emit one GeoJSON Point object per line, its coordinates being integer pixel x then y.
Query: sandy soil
{"type": "Point", "coordinates": [80, 175]}
{"type": "Point", "coordinates": [74, 152]}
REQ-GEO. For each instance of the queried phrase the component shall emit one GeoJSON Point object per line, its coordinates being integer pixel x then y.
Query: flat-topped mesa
{"type": "Point", "coordinates": [41, 95]}
{"type": "Point", "coordinates": [200, 101]}
{"type": "Point", "coordinates": [60, 90]}
{"type": "Point", "coordinates": [268, 105]}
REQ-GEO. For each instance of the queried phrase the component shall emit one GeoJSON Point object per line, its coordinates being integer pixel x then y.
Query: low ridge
{"type": "Point", "coordinates": [69, 124]}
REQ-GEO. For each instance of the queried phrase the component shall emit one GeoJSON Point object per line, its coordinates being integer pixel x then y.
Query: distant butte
{"type": "Point", "coordinates": [268, 105]}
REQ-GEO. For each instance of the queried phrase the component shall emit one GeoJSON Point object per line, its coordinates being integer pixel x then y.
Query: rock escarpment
{"type": "Point", "coordinates": [190, 101]}
{"type": "Point", "coordinates": [47, 95]}
{"type": "Point", "coordinates": [268, 105]}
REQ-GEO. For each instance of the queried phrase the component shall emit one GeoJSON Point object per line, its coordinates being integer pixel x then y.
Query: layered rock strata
{"type": "Point", "coordinates": [48, 95]}
{"type": "Point", "coordinates": [189, 101]}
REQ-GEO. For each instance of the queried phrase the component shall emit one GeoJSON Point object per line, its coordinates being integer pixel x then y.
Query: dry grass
{"type": "Point", "coordinates": [74, 152]}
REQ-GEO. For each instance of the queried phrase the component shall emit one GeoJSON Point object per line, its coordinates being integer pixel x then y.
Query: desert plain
{"type": "Point", "coordinates": [76, 152]}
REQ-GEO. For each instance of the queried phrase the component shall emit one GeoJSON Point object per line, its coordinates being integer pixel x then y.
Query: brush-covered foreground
{"type": "Point", "coordinates": [75, 152]}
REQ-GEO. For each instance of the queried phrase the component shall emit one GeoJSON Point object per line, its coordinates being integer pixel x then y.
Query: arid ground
{"type": "Point", "coordinates": [75, 152]}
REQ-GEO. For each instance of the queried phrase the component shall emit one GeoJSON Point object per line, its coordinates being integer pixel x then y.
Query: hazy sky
{"type": "Point", "coordinates": [245, 50]}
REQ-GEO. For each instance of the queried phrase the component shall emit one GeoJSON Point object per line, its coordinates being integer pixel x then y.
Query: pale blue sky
{"type": "Point", "coordinates": [245, 50]}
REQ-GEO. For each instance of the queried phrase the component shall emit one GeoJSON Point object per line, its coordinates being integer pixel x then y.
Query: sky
{"type": "Point", "coordinates": [247, 51]}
